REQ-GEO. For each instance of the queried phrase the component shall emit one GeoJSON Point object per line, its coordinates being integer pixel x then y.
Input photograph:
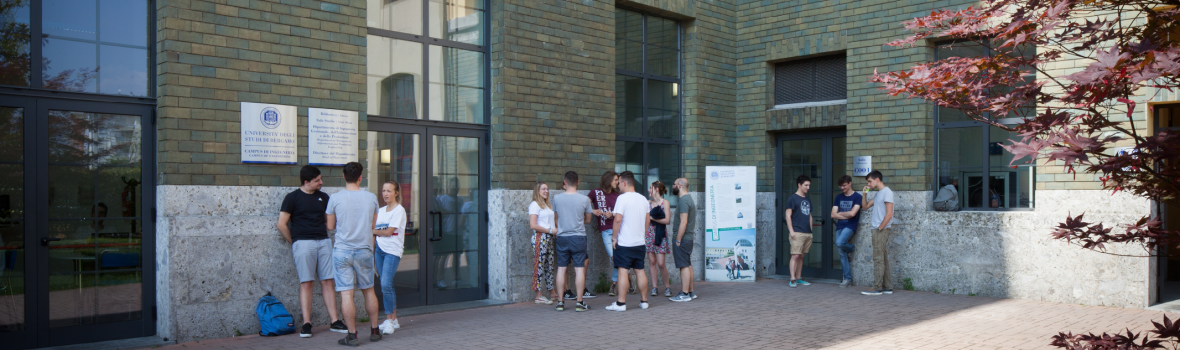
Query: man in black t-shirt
{"type": "Point", "coordinates": [798, 217]}
{"type": "Point", "coordinates": [303, 225]}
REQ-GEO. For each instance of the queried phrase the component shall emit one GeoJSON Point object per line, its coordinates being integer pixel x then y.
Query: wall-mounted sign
{"type": "Point", "coordinates": [862, 166]}
{"type": "Point", "coordinates": [269, 134]}
{"type": "Point", "coordinates": [331, 136]}
{"type": "Point", "coordinates": [730, 223]}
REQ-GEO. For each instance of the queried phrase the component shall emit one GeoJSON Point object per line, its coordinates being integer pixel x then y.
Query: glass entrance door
{"type": "Point", "coordinates": [442, 173]}
{"type": "Point", "coordinates": [822, 157]}
{"type": "Point", "coordinates": [72, 266]}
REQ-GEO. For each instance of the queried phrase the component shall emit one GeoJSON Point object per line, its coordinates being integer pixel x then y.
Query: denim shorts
{"type": "Point", "coordinates": [354, 268]}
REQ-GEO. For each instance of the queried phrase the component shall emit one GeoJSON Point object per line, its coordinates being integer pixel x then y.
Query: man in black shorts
{"type": "Point", "coordinates": [572, 211]}
{"type": "Point", "coordinates": [630, 222]}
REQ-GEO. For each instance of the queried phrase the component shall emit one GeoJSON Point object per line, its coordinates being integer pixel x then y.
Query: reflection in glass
{"type": "Point", "coordinates": [15, 63]}
{"type": "Point", "coordinates": [395, 156]}
{"type": "Point", "coordinates": [663, 62]}
{"type": "Point", "coordinates": [629, 157]}
{"type": "Point", "coordinates": [455, 187]}
{"type": "Point", "coordinates": [403, 16]}
{"type": "Point", "coordinates": [124, 22]}
{"type": "Point", "coordinates": [93, 138]}
{"type": "Point", "coordinates": [456, 22]}
{"type": "Point", "coordinates": [628, 26]}
{"type": "Point", "coordinates": [663, 115]}
{"type": "Point", "coordinates": [124, 71]}
{"type": "Point", "coordinates": [96, 279]}
{"type": "Point", "coordinates": [69, 65]}
{"type": "Point", "coordinates": [663, 164]}
{"type": "Point", "coordinates": [960, 158]}
{"type": "Point", "coordinates": [70, 18]}
{"type": "Point", "coordinates": [629, 55]}
{"type": "Point", "coordinates": [662, 32]}
{"type": "Point", "coordinates": [804, 157]}
{"type": "Point", "coordinates": [395, 77]}
{"type": "Point", "coordinates": [12, 134]}
{"type": "Point", "coordinates": [628, 105]}
{"type": "Point", "coordinates": [79, 55]}
{"type": "Point", "coordinates": [12, 275]}
{"type": "Point", "coordinates": [456, 85]}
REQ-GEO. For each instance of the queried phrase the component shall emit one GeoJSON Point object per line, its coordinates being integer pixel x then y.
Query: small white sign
{"type": "Point", "coordinates": [862, 166]}
{"type": "Point", "coordinates": [269, 134]}
{"type": "Point", "coordinates": [332, 136]}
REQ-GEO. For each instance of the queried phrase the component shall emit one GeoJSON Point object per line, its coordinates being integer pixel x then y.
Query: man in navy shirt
{"type": "Point", "coordinates": [846, 213]}
{"type": "Point", "coordinates": [798, 218]}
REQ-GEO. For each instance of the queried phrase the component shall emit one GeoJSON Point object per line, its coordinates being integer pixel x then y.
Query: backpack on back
{"type": "Point", "coordinates": [273, 317]}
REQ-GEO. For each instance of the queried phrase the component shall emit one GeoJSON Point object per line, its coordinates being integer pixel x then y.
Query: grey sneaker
{"type": "Point", "coordinates": [667, 292]}
{"type": "Point", "coordinates": [871, 292]}
{"type": "Point", "coordinates": [653, 292]}
{"type": "Point", "coordinates": [349, 340]}
{"type": "Point", "coordinates": [845, 283]}
{"type": "Point", "coordinates": [692, 294]}
{"type": "Point", "coordinates": [680, 298]}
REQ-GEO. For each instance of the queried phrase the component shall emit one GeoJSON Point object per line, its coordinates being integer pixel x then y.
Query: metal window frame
{"type": "Point", "coordinates": [813, 65]}
{"type": "Point", "coordinates": [644, 140]}
{"type": "Point", "coordinates": [985, 167]}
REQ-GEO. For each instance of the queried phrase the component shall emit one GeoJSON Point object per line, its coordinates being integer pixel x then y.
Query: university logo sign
{"type": "Point", "coordinates": [270, 117]}
{"type": "Point", "coordinates": [714, 175]}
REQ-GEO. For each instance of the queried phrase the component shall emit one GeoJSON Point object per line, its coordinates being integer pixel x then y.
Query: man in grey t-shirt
{"type": "Point", "coordinates": [683, 231]}
{"type": "Point", "coordinates": [353, 214]}
{"type": "Point", "coordinates": [882, 223]}
{"type": "Point", "coordinates": [572, 211]}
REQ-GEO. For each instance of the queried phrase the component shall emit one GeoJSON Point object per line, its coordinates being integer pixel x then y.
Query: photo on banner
{"type": "Point", "coordinates": [730, 223]}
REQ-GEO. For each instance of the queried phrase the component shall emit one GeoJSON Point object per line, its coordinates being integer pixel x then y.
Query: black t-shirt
{"type": "Point", "coordinates": [800, 213]}
{"type": "Point", "coordinates": [307, 214]}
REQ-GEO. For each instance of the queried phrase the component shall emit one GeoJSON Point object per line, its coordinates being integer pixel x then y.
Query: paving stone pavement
{"type": "Point", "coordinates": [762, 315]}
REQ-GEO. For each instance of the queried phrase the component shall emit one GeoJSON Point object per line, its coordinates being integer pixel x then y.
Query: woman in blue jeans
{"type": "Point", "coordinates": [390, 239]}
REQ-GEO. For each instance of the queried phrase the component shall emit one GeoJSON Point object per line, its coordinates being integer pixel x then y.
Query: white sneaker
{"type": "Point", "coordinates": [396, 325]}
{"type": "Point", "coordinates": [616, 307]}
{"type": "Point", "coordinates": [386, 327]}
{"type": "Point", "coordinates": [643, 305]}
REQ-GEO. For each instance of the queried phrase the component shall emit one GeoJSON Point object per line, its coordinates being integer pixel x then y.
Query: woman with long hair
{"type": "Point", "coordinates": [542, 220]}
{"type": "Point", "coordinates": [657, 237]}
{"type": "Point", "coordinates": [389, 243]}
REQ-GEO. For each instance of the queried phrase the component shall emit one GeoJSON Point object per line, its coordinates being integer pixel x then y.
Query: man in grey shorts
{"type": "Point", "coordinates": [302, 223]}
{"type": "Point", "coordinates": [683, 226]}
{"type": "Point", "coordinates": [572, 211]}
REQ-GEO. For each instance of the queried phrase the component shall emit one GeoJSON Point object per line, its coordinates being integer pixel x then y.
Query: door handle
{"type": "Point", "coordinates": [45, 241]}
{"type": "Point", "coordinates": [437, 226]}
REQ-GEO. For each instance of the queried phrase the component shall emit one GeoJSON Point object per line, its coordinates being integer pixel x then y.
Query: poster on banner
{"type": "Point", "coordinates": [269, 134]}
{"type": "Point", "coordinates": [730, 223]}
{"type": "Point", "coordinates": [332, 137]}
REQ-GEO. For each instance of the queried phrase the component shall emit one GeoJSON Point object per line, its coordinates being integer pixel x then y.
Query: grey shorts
{"type": "Point", "coordinates": [313, 258]}
{"type": "Point", "coordinates": [682, 254]}
{"type": "Point", "coordinates": [571, 248]}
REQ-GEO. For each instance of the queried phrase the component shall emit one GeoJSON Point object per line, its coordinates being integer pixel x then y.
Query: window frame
{"type": "Point", "coordinates": [985, 166]}
{"type": "Point", "coordinates": [427, 42]}
{"type": "Point", "coordinates": [643, 139]}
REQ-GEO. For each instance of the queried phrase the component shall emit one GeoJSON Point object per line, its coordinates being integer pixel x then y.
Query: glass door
{"type": "Point", "coordinates": [18, 270]}
{"type": "Point", "coordinates": [816, 155]}
{"type": "Point", "coordinates": [442, 174]}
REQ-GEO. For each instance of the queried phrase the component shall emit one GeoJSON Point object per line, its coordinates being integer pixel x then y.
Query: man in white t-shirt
{"type": "Point", "coordinates": [882, 224]}
{"type": "Point", "coordinates": [630, 222]}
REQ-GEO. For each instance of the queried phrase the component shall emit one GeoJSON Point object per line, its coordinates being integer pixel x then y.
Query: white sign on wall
{"type": "Point", "coordinates": [862, 166]}
{"type": "Point", "coordinates": [269, 134]}
{"type": "Point", "coordinates": [332, 136]}
{"type": "Point", "coordinates": [730, 223]}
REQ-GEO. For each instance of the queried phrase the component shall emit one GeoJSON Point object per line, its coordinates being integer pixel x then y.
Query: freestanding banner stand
{"type": "Point", "coordinates": [730, 223]}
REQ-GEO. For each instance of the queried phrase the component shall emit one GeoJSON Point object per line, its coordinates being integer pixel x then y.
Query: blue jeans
{"type": "Point", "coordinates": [607, 236]}
{"type": "Point", "coordinates": [842, 237]}
{"type": "Point", "coordinates": [386, 267]}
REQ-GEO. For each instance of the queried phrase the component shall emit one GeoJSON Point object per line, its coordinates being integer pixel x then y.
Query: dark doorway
{"type": "Point", "coordinates": [822, 156]}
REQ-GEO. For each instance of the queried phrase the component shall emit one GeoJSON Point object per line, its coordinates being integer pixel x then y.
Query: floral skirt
{"type": "Point", "coordinates": [650, 239]}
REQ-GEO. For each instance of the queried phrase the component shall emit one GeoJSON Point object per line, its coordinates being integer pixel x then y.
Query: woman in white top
{"type": "Point", "coordinates": [542, 220]}
{"type": "Point", "coordinates": [390, 239]}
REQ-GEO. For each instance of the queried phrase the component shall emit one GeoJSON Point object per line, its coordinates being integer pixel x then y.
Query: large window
{"type": "Point", "coordinates": [647, 97]}
{"type": "Point", "coordinates": [84, 46]}
{"type": "Point", "coordinates": [821, 79]}
{"type": "Point", "coordinates": [968, 154]}
{"type": "Point", "coordinates": [441, 76]}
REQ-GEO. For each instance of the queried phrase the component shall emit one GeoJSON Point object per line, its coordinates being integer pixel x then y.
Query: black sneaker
{"type": "Point", "coordinates": [349, 340]}
{"type": "Point", "coordinates": [561, 306]}
{"type": "Point", "coordinates": [872, 292]}
{"type": "Point", "coordinates": [586, 294]}
{"type": "Point", "coordinates": [305, 331]}
{"type": "Point", "coordinates": [581, 306]}
{"type": "Point", "coordinates": [338, 327]}
{"type": "Point", "coordinates": [569, 295]}
{"type": "Point", "coordinates": [886, 291]}
{"type": "Point", "coordinates": [375, 334]}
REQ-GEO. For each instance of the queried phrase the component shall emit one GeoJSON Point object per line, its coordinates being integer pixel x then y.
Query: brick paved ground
{"type": "Point", "coordinates": [765, 314]}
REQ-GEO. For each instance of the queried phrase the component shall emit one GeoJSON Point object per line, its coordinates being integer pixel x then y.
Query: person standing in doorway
{"type": "Point", "coordinates": [799, 223]}
{"type": "Point", "coordinates": [542, 220]}
{"type": "Point", "coordinates": [353, 214]}
{"type": "Point", "coordinates": [846, 212]}
{"type": "Point", "coordinates": [572, 210]}
{"type": "Point", "coordinates": [882, 224]}
{"type": "Point", "coordinates": [683, 232]}
{"type": "Point", "coordinates": [656, 239]}
{"type": "Point", "coordinates": [630, 222]}
{"type": "Point", "coordinates": [603, 201]}
{"type": "Point", "coordinates": [390, 242]}
{"type": "Point", "coordinates": [302, 223]}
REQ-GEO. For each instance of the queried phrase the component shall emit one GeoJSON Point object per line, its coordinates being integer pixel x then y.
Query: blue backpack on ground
{"type": "Point", "coordinates": [273, 317]}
